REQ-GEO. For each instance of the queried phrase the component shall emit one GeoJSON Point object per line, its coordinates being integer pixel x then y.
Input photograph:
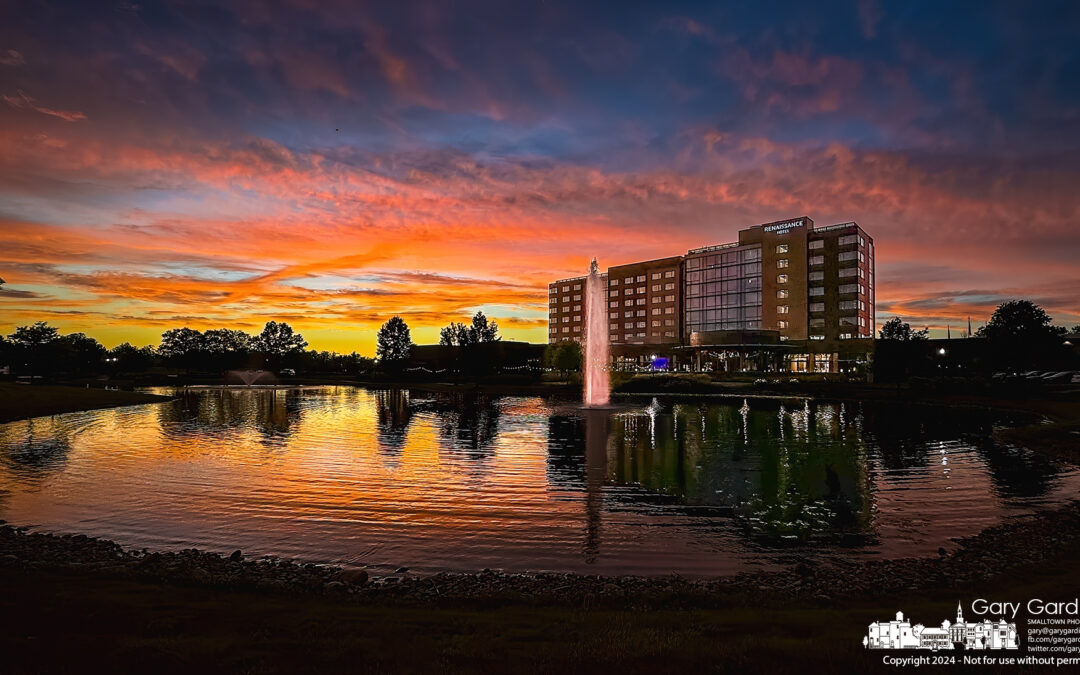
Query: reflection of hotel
{"type": "Point", "coordinates": [900, 634]}
{"type": "Point", "coordinates": [785, 297]}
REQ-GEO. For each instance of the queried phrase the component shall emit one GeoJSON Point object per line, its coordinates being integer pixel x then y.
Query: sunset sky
{"type": "Point", "coordinates": [222, 164]}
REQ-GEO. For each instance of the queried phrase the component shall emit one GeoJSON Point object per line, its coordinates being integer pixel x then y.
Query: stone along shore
{"type": "Point", "coordinates": [995, 552]}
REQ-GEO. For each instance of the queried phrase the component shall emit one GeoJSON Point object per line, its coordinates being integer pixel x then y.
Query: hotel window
{"type": "Point", "coordinates": [566, 319]}
{"type": "Point", "coordinates": [815, 244]}
{"type": "Point", "coordinates": [577, 308]}
{"type": "Point", "coordinates": [640, 324]}
{"type": "Point", "coordinates": [781, 309]}
{"type": "Point", "coordinates": [565, 289]}
{"type": "Point", "coordinates": [848, 305]}
{"type": "Point", "coordinates": [628, 324]}
{"type": "Point", "coordinates": [577, 317]}
{"type": "Point", "coordinates": [782, 294]}
{"type": "Point", "coordinates": [862, 258]}
{"type": "Point", "coordinates": [577, 329]}
{"type": "Point", "coordinates": [655, 288]}
{"type": "Point", "coordinates": [655, 323]}
{"type": "Point", "coordinates": [846, 336]}
{"type": "Point", "coordinates": [613, 282]}
{"type": "Point", "coordinates": [669, 322]}
{"type": "Point", "coordinates": [817, 260]}
{"type": "Point", "coordinates": [669, 310]}
{"type": "Point", "coordinates": [654, 275]}
{"type": "Point", "coordinates": [640, 312]}
{"type": "Point", "coordinates": [628, 280]}
{"type": "Point", "coordinates": [669, 333]}
{"type": "Point", "coordinates": [613, 326]}
{"type": "Point", "coordinates": [817, 337]}
{"type": "Point", "coordinates": [781, 248]}
{"type": "Point", "coordinates": [862, 289]}
{"type": "Point", "coordinates": [640, 301]}
{"type": "Point", "coordinates": [847, 255]}
{"type": "Point", "coordinates": [670, 274]}
{"type": "Point", "coordinates": [817, 290]}
{"type": "Point", "coordinates": [640, 278]}
{"type": "Point", "coordinates": [862, 306]}
{"type": "Point", "coordinates": [565, 298]}
{"type": "Point", "coordinates": [669, 287]}
{"type": "Point", "coordinates": [782, 263]}
{"type": "Point", "coordinates": [862, 242]}
{"type": "Point", "coordinates": [849, 288]}
{"type": "Point", "coordinates": [848, 272]}
{"type": "Point", "coordinates": [655, 298]}
{"type": "Point", "coordinates": [817, 323]}
{"type": "Point", "coordinates": [613, 315]}
{"type": "Point", "coordinates": [816, 276]}
{"type": "Point", "coordinates": [656, 310]}
{"type": "Point", "coordinates": [566, 329]}
{"type": "Point", "coordinates": [781, 278]}
{"type": "Point", "coordinates": [817, 307]}
{"type": "Point", "coordinates": [577, 287]}
{"type": "Point", "coordinates": [640, 289]}
{"type": "Point", "coordinates": [849, 239]}
{"type": "Point", "coordinates": [862, 273]}
{"type": "Point", "coordinates": [614, 337]}
{"type": "Point", "coordinates": [669, 298]}
{"type": "Point", "coordinates": [613, 294]}
{"type": "Point", "coordinates": [613, 304]}
{"type": "Point", "coordinates": [629, 303]}
{"type": "Point", "coordinates": [628, 313]}
{"type": "Point", "coordinates": [782, 325]}
{"type": "Point", "coordinates": [577, 297]}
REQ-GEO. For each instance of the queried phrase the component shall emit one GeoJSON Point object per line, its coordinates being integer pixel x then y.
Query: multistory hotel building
{"type": "Point", "coordinates": [786, 296]}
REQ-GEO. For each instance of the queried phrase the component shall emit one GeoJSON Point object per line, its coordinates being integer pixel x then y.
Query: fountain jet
{"type": "Point", "coordinates": [596, 339]}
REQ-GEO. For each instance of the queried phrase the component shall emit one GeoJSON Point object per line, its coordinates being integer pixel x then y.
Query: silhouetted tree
{"type": "Point", "coordinates": [78, 354]}
{"type": "Point", "coordinates": [896, 329]}
{"type": "Point", "coordinates": [131, 359]}
{"type": "Point", "coordinates": [393, 343]}
{"type": "Point", "coordinates": [1020, 334]}
{"type": "Point", "coordinates": [182, 347]}
{"type": "Point", "coordinates": [483, 330]}
{"type": "Point", "coordinates": [32, 344]}
{"type": "Point", "coordinates": [456, 334]}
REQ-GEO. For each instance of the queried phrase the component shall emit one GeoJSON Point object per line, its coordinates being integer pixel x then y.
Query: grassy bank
{"type": "Point", "coordinates": [18, 401]}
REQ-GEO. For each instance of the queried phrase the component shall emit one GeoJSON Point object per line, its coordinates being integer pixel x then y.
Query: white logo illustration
{"type": "Point", "coordinates": [900, 634]}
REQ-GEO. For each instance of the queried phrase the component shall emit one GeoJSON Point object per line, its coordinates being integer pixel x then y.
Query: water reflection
{"type": "Point", "coordinates": [463, 481]}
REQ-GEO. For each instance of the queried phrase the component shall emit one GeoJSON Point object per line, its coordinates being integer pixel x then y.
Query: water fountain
{"type": "Point", "coordinates": [250, 377]}
{"type": "Point", "coordinates": [597, 391]}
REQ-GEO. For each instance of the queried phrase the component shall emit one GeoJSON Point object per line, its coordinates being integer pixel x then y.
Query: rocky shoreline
{"type": "Point", "coordinates": [1000, 550]}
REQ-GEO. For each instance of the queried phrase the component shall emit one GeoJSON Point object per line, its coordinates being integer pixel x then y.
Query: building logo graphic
{"type": "Point", "coordinates": [900, 634]}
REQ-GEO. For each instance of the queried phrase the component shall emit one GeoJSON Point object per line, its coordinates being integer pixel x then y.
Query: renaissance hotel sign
{"type": "Point", "coordinates": [783, 227]}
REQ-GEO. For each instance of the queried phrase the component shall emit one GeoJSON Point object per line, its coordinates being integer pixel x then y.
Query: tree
{"type": "Point", "coordinates": [129, 358]}
{"type": "Point", "coordinates": [279, 339]}
{"type": "Point", "coordinates": [1020, 333]}
{"type": "Point", "coordinates": [896, 329]}
{"type": "Point", "coordinates": [181, 346]}
{"type": "Point", "coordinates": [483, 330]}
{"type": "Point", "coordinates": [34, 343]}
{"type": "Point", "coordinates": [563, 356]}
{"type": "Point", "coordinates": [456, 334]}
{"type": "Point", "coordinates": [393, 342]}
{"type": "Point", "coordinates": [77, 353]}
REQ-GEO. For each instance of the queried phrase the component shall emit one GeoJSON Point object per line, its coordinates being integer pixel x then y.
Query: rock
{"type": "Point", "coordinates": [356, 577]}
{"type": "Point", "coordinates": [236, 556]}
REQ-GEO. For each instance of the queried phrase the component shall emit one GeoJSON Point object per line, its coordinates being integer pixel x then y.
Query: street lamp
{"type": "Point", "coordinates": [941, 351]}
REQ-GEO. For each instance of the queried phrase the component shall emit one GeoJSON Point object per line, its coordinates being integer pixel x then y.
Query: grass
{"type": "Point", "coordinates": [52, 622]}
{"type": "Point", "coordinates": [19, 401]}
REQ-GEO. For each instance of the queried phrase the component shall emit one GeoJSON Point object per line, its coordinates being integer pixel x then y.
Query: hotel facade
{"type": "Point", "coordinates": [785, 296]}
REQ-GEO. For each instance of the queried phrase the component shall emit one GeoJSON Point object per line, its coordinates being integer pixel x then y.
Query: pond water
{"type": "Point", "coordinates": [463, 482]}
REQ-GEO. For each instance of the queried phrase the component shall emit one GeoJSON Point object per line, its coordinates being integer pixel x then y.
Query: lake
{"type": "Point", "coordinates": [462, 482]}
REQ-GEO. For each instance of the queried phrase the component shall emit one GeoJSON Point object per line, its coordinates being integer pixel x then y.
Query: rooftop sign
{"type": "Point", "coordinates": [775, 227]}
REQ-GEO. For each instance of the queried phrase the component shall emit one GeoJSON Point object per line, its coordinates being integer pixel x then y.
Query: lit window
{"type": "Point", "coordinates": [577, 287]}
{"type": "Point", "coordinates": [577, 297]}
{"type": "Point", "coordinates": [613, 294]}
{"type": "Point", "coordinates": [613, 315]}
{"type": "Point", "coordinates": [613, 282]}
{"type": "Point", "coordinates": [613, 304]}
{"type": "Point", "coordinates": [640, 301]}
{"type": "Point", "coordinates": [565, 289]}
{"type": "Point", "coordinates": [817, 260]}
{"type": "Point", "coordinates": [669, 287]}
{"type": "Point", "coordinates": [629, 303]}
{"type": "Point", "coordinates": [640, 312]}
{"type": "Point", "coordinates": [782, 262]}
{"type": "Point", "coordinates": [670, 274]}
{"type": "Point", "coordinates": [628, 313]}
{"type": "Point", "coordinates": [640, 289]}
{"type": "Point", "coordinates": [577, 308]}
{"type": "Point", "coordinates": [655, 288]}
{"type": "Point", "coordinates": [816, 276]}
{"type": "Point", "coordinates": [654, 275]}
{"type": "Point", "coordinates": [781, 309]}
{"type": "Point", "coordinates": [818, 306]}
{"type": "Point", "coordinates": [782, 294]}
{"type": "Point", "coordinates": [782, 325]}
{"type": "Point", "coordinates": [817, 337]}
{"type": "Point", "coordinates": [781, 248]}
{"type": "Point", "coordinates": [669, 310]}
{"type": "Point", "coordinates": [781, 278]}
{"type": "Point", "coordinates": [816, 243]}
{"type": "Point", "coordinates": [640, 278]}
{"type": "Point", "coordinates": [628, 280]}
{"type": "Point", "coordinates": [669, 298]}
